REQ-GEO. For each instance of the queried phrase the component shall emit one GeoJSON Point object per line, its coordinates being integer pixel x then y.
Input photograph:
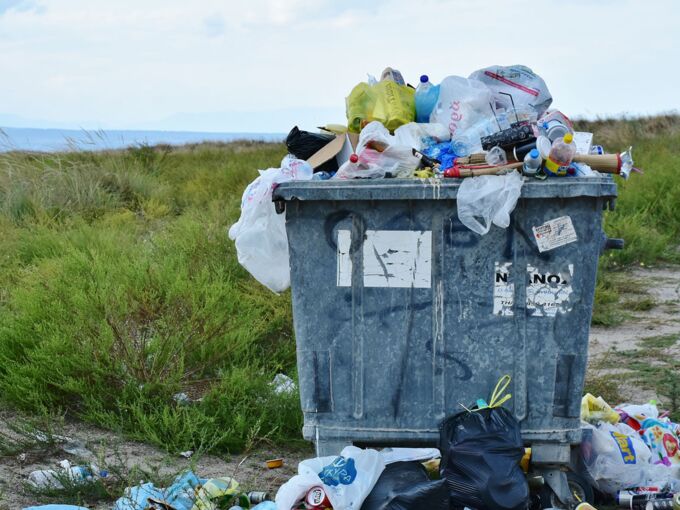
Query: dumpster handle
{"type": "Point", "coordinates": [279, 205]}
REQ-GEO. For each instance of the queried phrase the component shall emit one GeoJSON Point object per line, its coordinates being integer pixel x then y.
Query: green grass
{"type": "Point", "coordinates": [119, 288]}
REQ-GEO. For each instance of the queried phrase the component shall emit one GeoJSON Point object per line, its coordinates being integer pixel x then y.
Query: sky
{"type": "Point", "coordinates": [266, 65]}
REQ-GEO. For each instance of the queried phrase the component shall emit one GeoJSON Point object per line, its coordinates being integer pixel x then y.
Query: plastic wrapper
{"type": "Point", "coordinates": [303, 144]}
{"type": "Point", "coordinates": [488, 199]}
{"type": "Point", "coordinates": [594, 410]}
{"type": "Point", "coordinates": [515, 87]}
{"type": "Point", "coordinates": [481, 454]}
{"type": "Point", "coordinates": [260, 233]}
{"type": "Point", "coordinates": [386, 102]}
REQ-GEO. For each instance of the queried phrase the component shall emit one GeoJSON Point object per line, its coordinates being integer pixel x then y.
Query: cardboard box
{"type": "Point", "coordinates": [340, 148]}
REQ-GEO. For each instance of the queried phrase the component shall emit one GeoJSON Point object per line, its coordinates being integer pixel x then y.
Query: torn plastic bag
{"type": "Point", "coordinates": [380, 155]}
{"type": "Point", "coordinates": [515, 87]}
{"type": "Point", "coordinates": [466, 108]}
{"type": "Point", "coordinates": [406, 486]}
{"type": "Point", "coordinates": [386, 102]}
{"type": "Point", "coordinates": [488, 199]}
{"type": "Point", "coordinates": [481, 454]}
{"type": "Point", "coordinates": [595, 409]}
{"type": "Point", "coordinates": [260, 233]}
{"type": "Point", "coordinates": [303, 144]}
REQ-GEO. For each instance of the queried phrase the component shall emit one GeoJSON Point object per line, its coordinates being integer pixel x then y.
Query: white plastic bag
{"type": "Point", "coordinates": [518, 82]}
{"type": "Point", "coordinates": [347, 479]}
{"type": "Point", "coordinates": [260, 233]}
{"type": "Point", "coordinates": [620, 459]}
{"type": "Point", "coordinates": [488, 199]}
{"type": "Point", "coordinates": [415, 134]}
{"type": "Point", "coordinates": [380, 155]}
{"type": "Point", "coordinates": [466, 108]}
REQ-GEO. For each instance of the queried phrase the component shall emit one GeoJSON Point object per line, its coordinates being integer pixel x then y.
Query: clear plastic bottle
{"type": "Point", "coordinates": [52, 479]}
{"type": "Point", "coordinates": [561, 154]}
{"type": "Point", "coordinates": [426, 99]}
{"type": "Point", "coordinates": [532, 162]}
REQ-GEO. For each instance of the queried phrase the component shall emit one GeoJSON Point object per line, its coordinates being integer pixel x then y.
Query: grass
{"type": "Point", "coordinates": [119, 288]}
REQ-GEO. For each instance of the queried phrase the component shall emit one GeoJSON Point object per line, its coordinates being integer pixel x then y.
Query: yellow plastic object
{"type": "Point", "coordinates": [425, 173]}
{"type": "Point", "coordinates": [526, 458]}
{"type": "Point", "coordinates": [387, 102]}
{"type": "Point", "coordinates": [568, 138]}
{"type": "Point", "coordinates": [498, 398]}
{"type": "Point", "coordinates": [213, 489]}
{"type": "Point", "coordinates": [596, 409]}
{"type": "Point", "coordinates": [274, 463]}
{"type": "Point", "coordinates": [432, 467]}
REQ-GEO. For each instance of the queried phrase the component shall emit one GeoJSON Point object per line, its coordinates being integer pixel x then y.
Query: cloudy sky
{"type": "Point", "coordinates": [264, 65]}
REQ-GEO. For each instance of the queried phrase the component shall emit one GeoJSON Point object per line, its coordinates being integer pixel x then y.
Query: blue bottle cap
{"type": "Point", "coordinates": [534, 153]}
{"type": "Point", "coordinates": [424, 79]}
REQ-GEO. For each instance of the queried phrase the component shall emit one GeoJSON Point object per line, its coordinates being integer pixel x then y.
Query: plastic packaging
{"type": "Point", "coordinates": [418, 136]}
{"type": "Point", "coordinates": [386, 101]}
{"type": "Point", "coordinates": [496, 157]}
{"type": "Point", "coordinates": [561, 155]}
{"type": "Point", "coordinates": [426, 98]}
{"type": "Point", "coordinates": [515, 87]}
{"type": "Point", "coordinates": [303, 144]}
{"type": "Point", "coordinates": [68, 474]}
{"type": "Point", "coordinates": [488, 199]}
{"type": "Point", "coordinates": [554, 124]}
{"type": "Point", "coordinates": [465, 107]}
{"type": "Point", "coordinates": [481, 452]}
{"type": "Point", "coordinates": [594, 410]}
{"type": "Point", "coordinates": [406, 486]}
{"type": "Point", "coordinates": [260, 233]}
{"type": "Point", "coordinates": [532, 163]}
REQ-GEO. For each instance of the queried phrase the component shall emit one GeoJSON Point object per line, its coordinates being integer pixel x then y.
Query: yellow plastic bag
{"type": "Point", "coordinates": [387, 102]}
{"type": "Point", "coordinates": [213, 489]}
{"type": "Point", "coordinates": [594, 410]}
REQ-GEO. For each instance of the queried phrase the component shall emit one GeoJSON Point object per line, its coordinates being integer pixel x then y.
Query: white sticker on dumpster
{"type": "Point", "coordinates": [503, 290]}
{"type": "Point", "coordinates": [554, 233]}
{"type": "Point", "coordinates": [548, 292]}
{"type": "Point", "coordinates": [344, 260]}
{"type": "Point", "coordinates": [398, 258]}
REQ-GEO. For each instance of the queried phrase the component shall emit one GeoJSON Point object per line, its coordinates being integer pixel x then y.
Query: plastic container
{"type": "Point", "coordinates": [532, 162]}
{"type": "Point", "coordinates": [426, 99]}
{"type": "Point", "coordinates": [561, 155]}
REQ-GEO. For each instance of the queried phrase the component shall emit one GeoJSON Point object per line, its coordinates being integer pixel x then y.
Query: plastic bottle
{"type": "Point", "coordinates": [532, 162]}
{"type": "Point", "coordinates": [426, 99]}
{"type": "Point", "coordinates": [561, 154]}
{"type": "Point", "coordinates": [53, 479]}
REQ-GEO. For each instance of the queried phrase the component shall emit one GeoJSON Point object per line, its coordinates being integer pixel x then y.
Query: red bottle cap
{"type": "Point", "coordinates": [354, 158]}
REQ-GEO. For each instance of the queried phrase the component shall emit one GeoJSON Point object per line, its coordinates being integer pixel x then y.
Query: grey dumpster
{"type": "Point", "coordinates": [402, 315]}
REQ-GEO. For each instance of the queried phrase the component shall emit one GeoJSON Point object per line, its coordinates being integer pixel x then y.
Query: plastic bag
{"type": "Point", "coordinates": [386, 102]}
{"type": "Point", "coordinates": [379, 156]}
{"type": "Point", "coordinates": [260, 233]}
{"type": "Point", "coordinates": [466, 108]}
{"type": "Point", "coordinates": [303, 144]}
{"type": "Point", "coordinates": [418, 136]}
{"type": "Point", "coordinates": [616, 458]}
{"type": "Point", "coordinates": [515, 87]}
{"type": "Point", "coordinates": [481, 452]}
{"type": "Point", "coordinates": [347, 479]}
{"type": "Point", "coordinates": [662, 439]}
{"type": "Point", "coordinates": [594, 410]}
{"type": "Point", "coordinates": [488, 198]}
{"type": "Point", "coordinates": [406, 486]}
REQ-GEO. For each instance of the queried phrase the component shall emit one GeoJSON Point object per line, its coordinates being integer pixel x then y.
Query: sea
{"type": "Point", "coordinates": [58, 140]}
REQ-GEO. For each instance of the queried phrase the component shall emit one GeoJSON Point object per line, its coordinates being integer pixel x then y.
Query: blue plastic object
{"type": "Point", "coordinates": [426, 99]}
{"type": "Point", "coordinates": [55, 507]}
{"type": "Point", "coordinates": [402, 314]}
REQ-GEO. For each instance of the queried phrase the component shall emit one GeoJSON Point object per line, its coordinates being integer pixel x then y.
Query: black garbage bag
{"type": "Point", "coordinates": [481, 451]}
{"type": "Point", "coordinates": [406, 486]}
{"type": "Point", "coordinates": [303, 144]}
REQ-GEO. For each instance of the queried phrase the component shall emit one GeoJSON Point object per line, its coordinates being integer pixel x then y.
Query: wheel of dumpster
{"type": "Point", "coordinates": [578, 486]}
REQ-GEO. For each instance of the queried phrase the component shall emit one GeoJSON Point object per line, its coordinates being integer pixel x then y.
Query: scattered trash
{"type": "Point", "coordinates": [67, 474]}
{"type": "Point", "coordinates": [182, 399]}
{"type": "Point", "coordinates": [187, 454]}
{"type": "Point", "coordinates": [76, 448]}
{"type": "Point", "coordinates": [274, 463]}
{"type": "Point", "coordinates": [55, 507]}
{"type": "Point", "coordinates": [256, 497]}
{"type": "Point", "coordinates": [283, 384]}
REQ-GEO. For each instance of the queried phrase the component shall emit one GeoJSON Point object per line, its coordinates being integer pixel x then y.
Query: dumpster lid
{"type": "Point", "coordinates": [436, 189]}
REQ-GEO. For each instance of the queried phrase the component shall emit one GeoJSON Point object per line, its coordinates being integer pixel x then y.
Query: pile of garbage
{"type": "Point", "coordinates": [493, 131]}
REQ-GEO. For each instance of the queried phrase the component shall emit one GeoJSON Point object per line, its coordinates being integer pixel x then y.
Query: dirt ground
{"type": "Point", "coordinates": [634, 335]}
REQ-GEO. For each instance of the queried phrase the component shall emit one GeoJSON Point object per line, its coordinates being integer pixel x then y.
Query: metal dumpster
{"type": "Point", "coordinates": [402, 314]}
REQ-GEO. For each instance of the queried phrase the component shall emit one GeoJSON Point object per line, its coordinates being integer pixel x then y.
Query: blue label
{"type": "Point", "coordinates": [340, 471]}
{"type": "Point", "coordinates": [625, 445]}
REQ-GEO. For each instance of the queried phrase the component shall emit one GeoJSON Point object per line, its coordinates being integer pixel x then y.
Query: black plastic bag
{"type": "Point", "coordinates": [303, 145]}
{"type": "Point", "coordinates": [481, 451]}
{"type": "Point", "coordinates": [406, 486]}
